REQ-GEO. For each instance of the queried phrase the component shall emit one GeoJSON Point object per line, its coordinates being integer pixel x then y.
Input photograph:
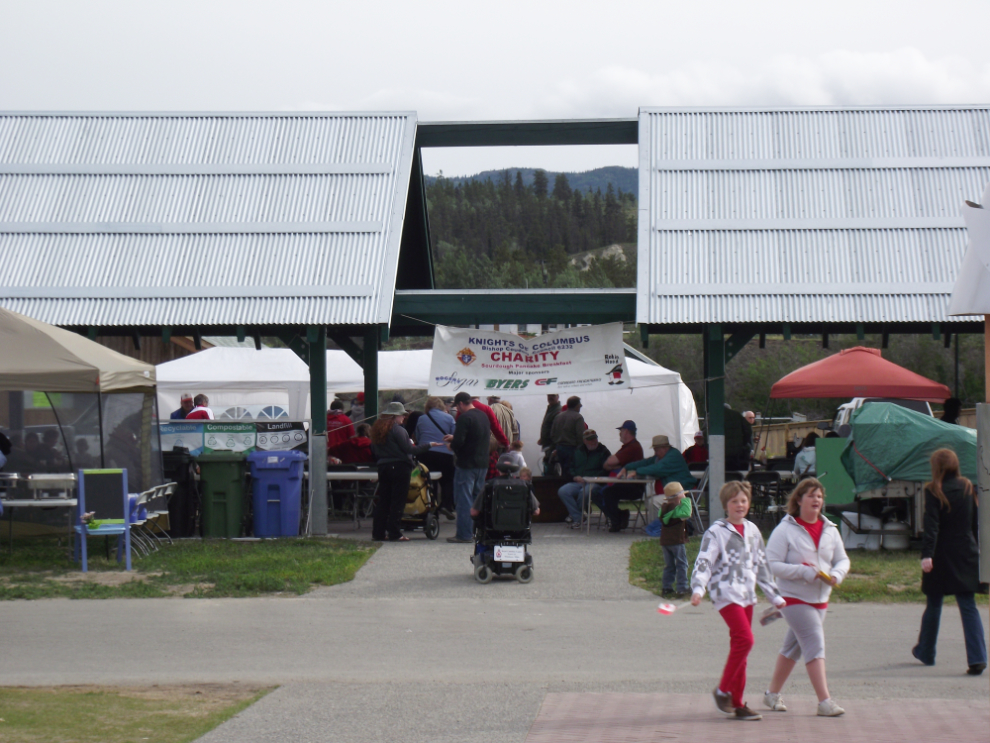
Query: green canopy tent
{"type": "Point", "coordinates": [890, 442]}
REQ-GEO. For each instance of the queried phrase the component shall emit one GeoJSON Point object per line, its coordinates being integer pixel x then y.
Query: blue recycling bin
{"type": "Point", "coordinates": [276, 485]}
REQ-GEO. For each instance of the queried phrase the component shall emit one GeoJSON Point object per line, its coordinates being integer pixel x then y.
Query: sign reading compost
{"type": "Point", "coordinates": [228, 436]}
{"type": "Point", "coordinates": [486, 362]}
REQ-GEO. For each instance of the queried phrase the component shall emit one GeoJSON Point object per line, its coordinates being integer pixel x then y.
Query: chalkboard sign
{"type": "Point", "coordinates": [104, 492]}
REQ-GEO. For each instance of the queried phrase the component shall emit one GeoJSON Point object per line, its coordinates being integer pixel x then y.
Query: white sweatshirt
{"type": "Point", "coordinates": [795, 561]}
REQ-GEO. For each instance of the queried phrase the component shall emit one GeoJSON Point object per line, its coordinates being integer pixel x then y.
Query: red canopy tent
{"type": "Point", "coordinates": [858, 372]}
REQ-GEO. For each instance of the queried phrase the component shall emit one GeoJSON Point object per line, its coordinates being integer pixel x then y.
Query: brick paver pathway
{"type": "Point", "coordinates": [652, 718]}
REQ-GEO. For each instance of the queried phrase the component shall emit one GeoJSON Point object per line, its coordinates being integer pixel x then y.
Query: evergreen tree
{"type": "Point", "coordinates": [540, 183]}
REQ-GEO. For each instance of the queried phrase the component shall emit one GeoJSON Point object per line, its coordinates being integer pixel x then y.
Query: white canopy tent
{"type": "Point", "coordinates": [237, 377]}
{"type": "Point", "coordinates": [658, 401]}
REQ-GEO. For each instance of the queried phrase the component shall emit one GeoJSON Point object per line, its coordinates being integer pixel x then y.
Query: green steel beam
{"type": "Point", "coordinates": [166, 335]}
{"type": "Point", "coordinates": [715, 375]}
{"type": "Point", "coordinates": [370, 366]}
{"type": "Point", "coordinates": [527, 133]}
{"type": "Point", "coordinates": [316, 337]}
{"type": "Point", "coordinates": [736, 342]}
{"type": "Point", "coordinates": [413, 309]}
{"type": "Point", "coordinates": [347, 345]}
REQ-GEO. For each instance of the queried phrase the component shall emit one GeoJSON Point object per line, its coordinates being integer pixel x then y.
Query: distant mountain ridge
{"type": "Point", "coordinates": [626, 179]}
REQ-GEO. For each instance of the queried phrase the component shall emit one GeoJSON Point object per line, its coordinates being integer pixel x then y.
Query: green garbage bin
{"type": "Point", "coordinates": [222, 475]}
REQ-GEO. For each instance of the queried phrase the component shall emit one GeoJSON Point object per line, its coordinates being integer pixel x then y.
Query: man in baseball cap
{"type": "Point", "coordinates": [607, 497]}
{"type": "Point", "coordinates": [666, 465]}
{"type": "Point", "coordinates": [185, 406]}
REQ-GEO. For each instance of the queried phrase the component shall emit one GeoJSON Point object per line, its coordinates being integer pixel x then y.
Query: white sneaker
{"type": "Point", "coordinates": [568, 520]}
{"type": "Point", "coordinates": [829, 708]}
{"type": "Point", "coordinates": [774, 702]}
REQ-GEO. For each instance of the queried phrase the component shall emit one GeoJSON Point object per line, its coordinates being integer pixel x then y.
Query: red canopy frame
{"type": "Point", "coordinates": [858, 372]}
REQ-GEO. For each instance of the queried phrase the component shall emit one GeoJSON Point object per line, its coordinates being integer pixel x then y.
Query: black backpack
{"type": "Point", "coordinates": [5, 446]}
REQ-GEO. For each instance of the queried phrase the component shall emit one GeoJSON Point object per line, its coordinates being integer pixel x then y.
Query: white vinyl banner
{"type": "Point", "coordinates": [565, 362]}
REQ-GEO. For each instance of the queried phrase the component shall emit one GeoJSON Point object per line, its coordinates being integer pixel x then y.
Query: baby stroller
{"type": "Point", "coordinates": [422, 503]}
{"type": "Point", "coordinates": [502, 529]}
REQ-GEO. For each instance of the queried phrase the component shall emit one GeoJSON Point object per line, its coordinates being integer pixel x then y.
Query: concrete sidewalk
{"type": "Point", "coordinates": [415, 650]}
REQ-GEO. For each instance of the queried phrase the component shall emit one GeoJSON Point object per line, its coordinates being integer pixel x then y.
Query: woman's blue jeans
{"type": "Point", "coordinates": [976, 648]}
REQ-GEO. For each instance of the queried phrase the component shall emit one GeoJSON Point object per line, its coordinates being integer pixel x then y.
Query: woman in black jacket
{"type": "Point", "coordinates": [394, 451]}
{"type": "Point", "coordinates": [950, 560]}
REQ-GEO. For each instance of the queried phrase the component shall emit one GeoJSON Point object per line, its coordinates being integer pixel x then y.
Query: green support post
{"type": "Point", "coordinates": [316, 337]}
{"type": "Point", "coordinates": [715, 374]}
{"type": "Point", "coordinates": [370, 365]}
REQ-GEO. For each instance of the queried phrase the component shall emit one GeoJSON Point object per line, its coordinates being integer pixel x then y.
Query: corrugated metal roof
{"type": "Point", "coordinates": [202, 219]}
{"type": "Point", "coordinates": [805, 215]}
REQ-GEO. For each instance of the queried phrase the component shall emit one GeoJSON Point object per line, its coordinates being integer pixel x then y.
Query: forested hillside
{"type": "Point", "coordinates": [622, 179]}
{"type": "Point", "coordinates": [503, 233]}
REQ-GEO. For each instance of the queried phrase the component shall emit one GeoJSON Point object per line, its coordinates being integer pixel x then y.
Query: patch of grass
{"type": "Point", "coordinates": [99, 714]}
{"type": "Point", "coordinates": [41, 568]}
{"type": "Point", "coordinates": [882, 576]}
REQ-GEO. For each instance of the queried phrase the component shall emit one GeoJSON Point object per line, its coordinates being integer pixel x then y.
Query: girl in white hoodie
{"type": "Point", "coordinates": [807, 559]}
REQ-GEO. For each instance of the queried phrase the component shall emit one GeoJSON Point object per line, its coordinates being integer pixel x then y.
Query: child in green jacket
{"type": "Point", "coordinates": [674, 513]}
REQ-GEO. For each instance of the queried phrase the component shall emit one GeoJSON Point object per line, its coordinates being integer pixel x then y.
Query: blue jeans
{"type": "Point", "coordinates": [565, 456]}
{"type": "Point", "coordinates": [573, 495]}
{"type": "Point", "coordinates": [675, 561]}
{"type": "Point", "coordinates": [467, 485]}
{"type": "Point", "coordinates": [976, 648]}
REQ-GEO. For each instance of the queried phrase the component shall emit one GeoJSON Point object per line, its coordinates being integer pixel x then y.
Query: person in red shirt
{"type": "Point", "coordinates": [201, 411]}
{"type": "Point", "coordinates": [339, 429]}
{"type": "Point", "coordinates": [357, 450]}
{"type": "Point", "coordinates": [697, 453]}
{"type": "Point", "coordinates": [607, 497]}
{"type": "Point", "coordinates": [497, 432]}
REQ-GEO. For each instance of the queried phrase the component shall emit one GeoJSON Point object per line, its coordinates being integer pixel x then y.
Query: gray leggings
{"type": "Point", "coordinates": [805, 634]}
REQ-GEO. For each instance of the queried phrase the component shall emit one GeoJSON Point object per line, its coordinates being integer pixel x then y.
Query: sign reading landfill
{"type": "Point", "coordinates": [281, 436]}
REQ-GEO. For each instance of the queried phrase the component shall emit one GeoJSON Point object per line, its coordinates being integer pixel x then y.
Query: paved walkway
{"type": "Point", "coordinates": [651, 718]}
{"type": "Point", "coordinates": [414, 650]}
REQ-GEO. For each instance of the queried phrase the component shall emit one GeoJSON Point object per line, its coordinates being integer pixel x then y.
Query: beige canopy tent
{"type": "Point", "coordinates": [38, 356]}
{"type": "Point", "coordinates": [101, 403]}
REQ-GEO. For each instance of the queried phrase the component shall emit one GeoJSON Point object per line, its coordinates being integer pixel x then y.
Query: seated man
{"type": "Point", "coordinates": [665, 466]}
{"type": "Point", "coordinates": [589, 461]}
{"type": "Point", "coordinates": [630, 451]}
{"type": "Point", "coordinates": [698, 452]}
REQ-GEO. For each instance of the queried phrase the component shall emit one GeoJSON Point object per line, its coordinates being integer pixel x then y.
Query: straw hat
{"type": "Point", "coordinates": [672, 488]}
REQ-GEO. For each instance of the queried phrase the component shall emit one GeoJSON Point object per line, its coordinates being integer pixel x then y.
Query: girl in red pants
{"type": "Point", "coordinates": [731, 562]}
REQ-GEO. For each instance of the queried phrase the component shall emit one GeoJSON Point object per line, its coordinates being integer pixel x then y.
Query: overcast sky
{"type": "Point", "coordinates": [460, 61]}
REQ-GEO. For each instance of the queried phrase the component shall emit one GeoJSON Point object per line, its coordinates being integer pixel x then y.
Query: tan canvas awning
{"type": "Point", "coordinates": [38, 356]}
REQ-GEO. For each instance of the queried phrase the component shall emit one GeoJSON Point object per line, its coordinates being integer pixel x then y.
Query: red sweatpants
{"type": "Point", "coordinates": [740, 621]}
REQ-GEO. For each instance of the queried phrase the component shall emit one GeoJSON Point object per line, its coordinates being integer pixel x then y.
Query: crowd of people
{"type": "Point", "coordinates": [797, 569]}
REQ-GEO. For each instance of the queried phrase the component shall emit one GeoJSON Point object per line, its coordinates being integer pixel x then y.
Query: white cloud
{"type": "Point", "coordinates": [838, 77]}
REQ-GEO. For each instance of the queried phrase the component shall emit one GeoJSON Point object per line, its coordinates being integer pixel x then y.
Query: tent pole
{"type": "Point", "coordinates": [99, 413]}
{"type": "Point", "coordinates": [65, 442]}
